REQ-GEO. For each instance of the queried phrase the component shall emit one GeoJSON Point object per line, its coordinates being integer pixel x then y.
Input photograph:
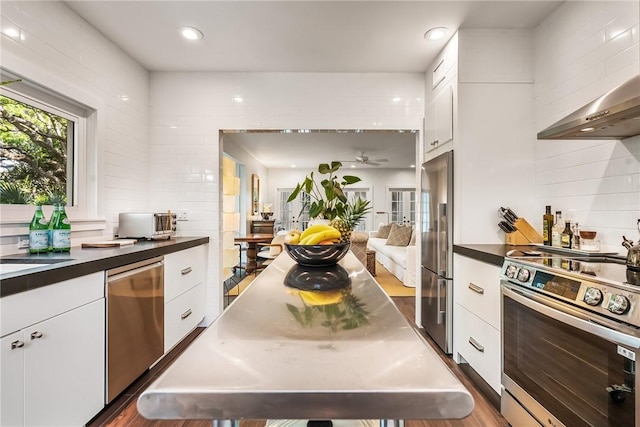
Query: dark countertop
{"type": "Point", "coordinates": [491, 254]}
{"type": "Point", "coordinates": [83, 261]}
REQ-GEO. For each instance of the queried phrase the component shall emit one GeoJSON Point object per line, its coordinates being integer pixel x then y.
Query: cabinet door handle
{"type": "Point", "coordinates": [35, 335]}
{"type": "Point", "coordinates": [17, 344]}
{"type": "Point", "coordinates": [476, 345]}
{"type": "Point", "coordinates": [185, 314]}
{"type": "Point", "coordinates": [476, 288]}
{"type": "Point", "coordinates": [186, 271]}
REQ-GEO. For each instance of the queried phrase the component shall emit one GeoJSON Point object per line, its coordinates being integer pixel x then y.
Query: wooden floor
{"type": "Point", "coordinates": [122, 411]}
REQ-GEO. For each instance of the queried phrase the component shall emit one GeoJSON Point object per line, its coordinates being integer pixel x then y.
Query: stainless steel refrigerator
{"type": "Point", "coordinates": [437, 249]}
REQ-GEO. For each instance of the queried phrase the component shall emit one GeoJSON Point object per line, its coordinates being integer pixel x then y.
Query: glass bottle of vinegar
{"type": "Point", "coordinates": [567, 236]}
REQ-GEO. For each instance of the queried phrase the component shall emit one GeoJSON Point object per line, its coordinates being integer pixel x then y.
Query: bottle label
{"type": "Point", "coordinates": [38, 239]}
{"type": "Point", "coordinates": [61, 239]}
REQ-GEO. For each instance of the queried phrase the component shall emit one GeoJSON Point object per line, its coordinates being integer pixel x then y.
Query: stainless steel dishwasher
{"type": "Point", "coordinates": [135, 322]}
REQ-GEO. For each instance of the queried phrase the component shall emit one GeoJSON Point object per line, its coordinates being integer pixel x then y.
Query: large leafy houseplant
{"type": "Point", "coordinates": [326, 199]}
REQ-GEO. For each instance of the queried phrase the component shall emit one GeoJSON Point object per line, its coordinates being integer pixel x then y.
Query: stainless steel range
{"type": "Point", "coordinates": [570, 336]}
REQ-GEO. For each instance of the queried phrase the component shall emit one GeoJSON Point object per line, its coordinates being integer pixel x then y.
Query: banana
{"type": "Point", "coordinates": [318, 237]}
{"type": "Point", "coordinates": [315, 229]}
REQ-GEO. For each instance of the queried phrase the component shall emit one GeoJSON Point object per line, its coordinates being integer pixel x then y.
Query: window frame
{"type": "Point", "coordinates": [84, 186]}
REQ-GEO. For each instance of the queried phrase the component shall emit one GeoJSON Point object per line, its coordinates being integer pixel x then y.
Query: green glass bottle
{"type": "Point", "coordinates": [52, 221]}
{"type": "Point", "coordinates": [38, 233]}
{"type": "Point", "coordinates": [61, 232]}
{"type": "Point", "coordinates": [547, 226]}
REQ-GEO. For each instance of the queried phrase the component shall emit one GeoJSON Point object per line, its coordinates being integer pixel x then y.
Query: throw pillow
{"type": "Point", "coordinates": [383, 231]}
{"type": "Point", "coordinates": [412, 241]}
{"type": "Point", "coordinates": [399, 235]}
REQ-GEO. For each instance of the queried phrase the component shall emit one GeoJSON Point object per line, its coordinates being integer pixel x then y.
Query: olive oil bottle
{"type": "Point", "coordinates": [547, 226]}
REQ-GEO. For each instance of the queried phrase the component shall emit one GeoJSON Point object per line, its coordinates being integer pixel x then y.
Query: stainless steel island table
{"type": "Point", "coordinates": [280, 351]}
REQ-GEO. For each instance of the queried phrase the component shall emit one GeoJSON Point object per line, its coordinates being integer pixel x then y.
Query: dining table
{"type": "Point", "coordinates": [253, 240]}
{"type": "Point", "coordinates": [309, 344]}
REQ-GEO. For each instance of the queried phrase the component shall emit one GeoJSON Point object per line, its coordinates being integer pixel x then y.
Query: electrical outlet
{"type": "Point", "coordinates": [182, 216]}
{"type": "Point", "coordinates": [23, 244]}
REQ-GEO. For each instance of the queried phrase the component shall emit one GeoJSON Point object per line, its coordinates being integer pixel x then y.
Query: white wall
{"type": "Point", "coordinates": [581, 51]}
{"type": "Point", "coordinates": [188, 110]}
{"type": "Point", "coordinates": [61, 52]}
{"type": "Point", "coordinates": [249, 166]}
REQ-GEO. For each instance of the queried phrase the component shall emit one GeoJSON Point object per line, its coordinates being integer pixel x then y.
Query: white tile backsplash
{"type": "Point", "coordinates": [64, 53]}
{"type": "Point", "coordinates": [583, 50]}
{"type": "Point", "coordinates": [184, 160]}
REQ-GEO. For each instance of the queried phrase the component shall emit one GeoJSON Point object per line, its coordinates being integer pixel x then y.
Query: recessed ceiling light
{"type": "Point", "coordinates": [436, 33]}
{"type": "Point", "coordinates": [587, 129]}
{"type": "Point", "coordinates": [191, 33]}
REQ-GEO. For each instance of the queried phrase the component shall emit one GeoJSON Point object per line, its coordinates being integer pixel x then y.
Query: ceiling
{"type": "Point", "coordinates": [300, 36]}
{"type": "Point", "coordinates": [307, 150]}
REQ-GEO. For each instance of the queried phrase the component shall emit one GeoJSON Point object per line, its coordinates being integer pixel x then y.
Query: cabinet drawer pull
{"type": "Point", "coordinates": [186, 271]}
{"type": "Point", "coordinates": [35, 335]}
{"type": "Point", "coordinates": [476, 288]}
{"type": "Point", "coordinates": [476, 345]}
{"type": "Point", "coordinates": [17, 344]}
{"type": "Point", "coordinates": [185, 314]}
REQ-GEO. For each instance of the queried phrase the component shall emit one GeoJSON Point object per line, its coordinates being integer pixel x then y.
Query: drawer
{"type": "Point", "coordinates": [479, 344]}
{"type": "Point", "coordinates": [18, 311]}
{"type": "Point", "coordinates": [183, 270]}
{"type": "Point", "coordinates": [182, 315]}
{"type": "Point", "coordinates": [477, 288]}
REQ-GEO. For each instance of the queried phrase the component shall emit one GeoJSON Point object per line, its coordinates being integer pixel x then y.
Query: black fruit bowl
{"type": "Point", "coordinates": [317, 255]}
{"type": "Point", "coordinates": [328, 278]}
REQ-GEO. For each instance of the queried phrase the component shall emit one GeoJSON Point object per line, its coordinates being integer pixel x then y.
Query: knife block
{"type": "Point", "coordinates": [525, 234]}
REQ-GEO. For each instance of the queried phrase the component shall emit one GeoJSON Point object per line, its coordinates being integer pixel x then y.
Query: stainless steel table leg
{"type": "Point", "coordinates": [226, 423]}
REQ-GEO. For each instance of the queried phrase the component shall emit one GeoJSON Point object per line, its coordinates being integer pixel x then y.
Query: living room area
{"type": "Point", "coordinates": [271, 163]}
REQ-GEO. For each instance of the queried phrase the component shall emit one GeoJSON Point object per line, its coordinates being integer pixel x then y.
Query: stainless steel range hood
{"type": "Point", "coordinates": [614, 115]}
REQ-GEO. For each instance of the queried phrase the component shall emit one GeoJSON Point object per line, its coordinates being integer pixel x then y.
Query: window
{"type": "Point", "coordinates": [56, 158]}
{"type": "Point", "coordinates": [37, 146]}
{"type": "Point", "coordinates": [363, 193]}
{"type": "Point", "coordinates": [403, 205]}
{"type": "Point", "coordinates": [292, 215]}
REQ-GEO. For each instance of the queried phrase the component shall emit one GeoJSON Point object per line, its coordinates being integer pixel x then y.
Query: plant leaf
{"type": "Point", "coordinates": [350, 179]}
{"type": "Point", "coordinates": [294, 194]}
{"type": "Point", "coordinates": [323, 168]}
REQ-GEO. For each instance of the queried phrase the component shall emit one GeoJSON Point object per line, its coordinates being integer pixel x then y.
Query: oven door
{"type": "Point", "coordinates": [564, 368]}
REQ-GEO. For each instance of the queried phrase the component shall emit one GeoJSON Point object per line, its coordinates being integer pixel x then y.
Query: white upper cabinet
{"type": "Point", "coordinates": [439, 119]}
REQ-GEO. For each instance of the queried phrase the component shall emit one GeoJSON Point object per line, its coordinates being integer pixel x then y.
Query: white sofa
{"type": "Point", "coordinates": [399, 260]}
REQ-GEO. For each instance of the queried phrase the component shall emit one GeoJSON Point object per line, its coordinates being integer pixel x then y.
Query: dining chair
{"type": "Point", "coordinates": [269, 251]}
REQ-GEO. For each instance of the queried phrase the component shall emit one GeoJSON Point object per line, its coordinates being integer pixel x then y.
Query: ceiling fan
{"type": "Point", "coordinates": [365, 160]}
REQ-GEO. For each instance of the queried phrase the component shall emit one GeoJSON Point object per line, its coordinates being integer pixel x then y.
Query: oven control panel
{"type": "Point", "coordinates": [601, 298]}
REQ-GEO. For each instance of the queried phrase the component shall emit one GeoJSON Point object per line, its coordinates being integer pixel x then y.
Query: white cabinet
{"type": "Point", "coordinates": [184, 293]}
{"type": "Point", "coordinates": [439, 119]}
{"type": "Point", "coordinates": [52, 371]}
{"type": "Point", "coordinates": [477, 321]}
